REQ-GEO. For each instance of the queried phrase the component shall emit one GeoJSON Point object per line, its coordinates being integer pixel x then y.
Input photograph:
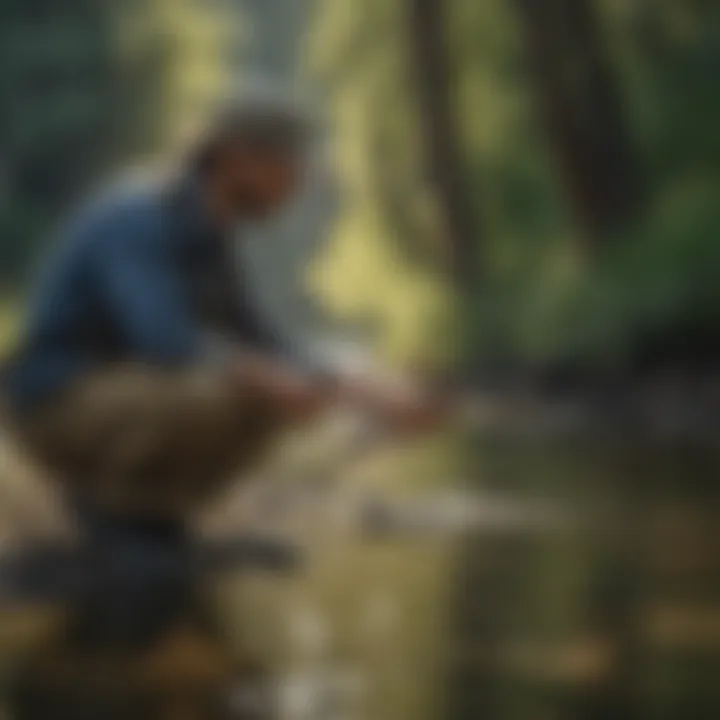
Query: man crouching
{"type": "Point", "coordinates": [147, 379]}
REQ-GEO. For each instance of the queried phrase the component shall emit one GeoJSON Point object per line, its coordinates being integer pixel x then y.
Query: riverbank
{"type": "Point", "coordinates": [665, 406]}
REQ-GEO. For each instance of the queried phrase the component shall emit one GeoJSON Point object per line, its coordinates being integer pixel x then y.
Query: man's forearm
{"type": "Point", "coordinates": [278, 387]}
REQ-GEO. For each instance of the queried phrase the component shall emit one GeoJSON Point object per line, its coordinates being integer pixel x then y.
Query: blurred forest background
{"type": "Point", "coordinates": [531, 185]}
{"type": "Point", "coordinates": [528, 190]}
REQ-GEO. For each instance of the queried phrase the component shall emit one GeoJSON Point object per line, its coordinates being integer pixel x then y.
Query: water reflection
{"type": "Point", "coordinates": [614, 615]}
{"type": "Point", "coordinates": [577, 581]}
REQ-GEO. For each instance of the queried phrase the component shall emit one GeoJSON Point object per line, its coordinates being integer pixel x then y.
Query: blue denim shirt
{"type": "Point", "coordinates": [119, 288]}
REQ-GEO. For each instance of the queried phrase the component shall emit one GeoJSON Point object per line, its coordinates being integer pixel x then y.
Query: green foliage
{"type": "Point", "coordinates": [53, 94]}
{"type": "Point", "coordinates": [84, 85]}
{"type": "Point", "coordinates": [376, 270]}
{"type": "Point", "coordinates": [662, 277]}
{"type": "Point", "coordinates": [541, 298]}
{"type": "Point", "coordinates": [87, 85]}
{"type": "Point", "coordinates": [8, 326]}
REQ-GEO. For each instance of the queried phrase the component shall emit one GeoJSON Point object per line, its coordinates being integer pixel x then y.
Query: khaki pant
{"type": "Point", "coordinates": [144, 440]}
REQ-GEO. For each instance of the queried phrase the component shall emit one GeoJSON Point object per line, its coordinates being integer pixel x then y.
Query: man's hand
{"type": "Point", "coordinates": [421, 414]}
{"type": "Point", "coordinates": [295, 397]}
{"type": "Point", "coordinates": [299, 399]}
{"type": "Point", "coordinates": [404, 407]}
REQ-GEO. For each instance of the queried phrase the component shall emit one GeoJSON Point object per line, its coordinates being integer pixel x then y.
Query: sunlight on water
{"type": "Point", "coordinates": [518, 609]}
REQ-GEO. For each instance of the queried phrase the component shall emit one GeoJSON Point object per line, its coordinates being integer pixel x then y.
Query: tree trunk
{"type": "Point", "coordinates": [442, 153]}
{"type": "Point", "coordinates": [578, 99]}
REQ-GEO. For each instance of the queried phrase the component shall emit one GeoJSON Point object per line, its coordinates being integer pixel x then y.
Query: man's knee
{"type": "Point", "coordinates": [142, 432]}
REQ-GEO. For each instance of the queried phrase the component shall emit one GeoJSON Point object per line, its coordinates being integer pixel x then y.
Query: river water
{"type": "Point", "coordinates": [508, 580]}
{"type": "Point", "coordinates": [611, 611]}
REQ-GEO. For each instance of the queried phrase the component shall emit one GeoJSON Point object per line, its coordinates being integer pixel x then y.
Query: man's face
{"type": "Point", "coordinates": [259, 182]}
